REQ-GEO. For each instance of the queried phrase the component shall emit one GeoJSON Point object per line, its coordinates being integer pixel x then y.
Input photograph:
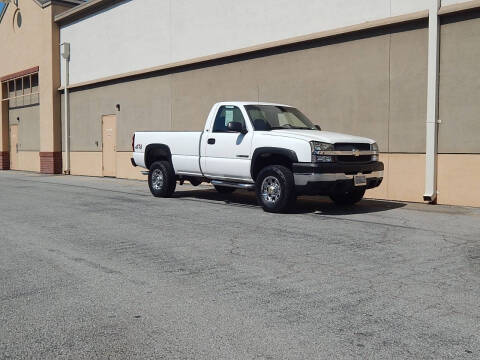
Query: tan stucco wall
{"type": "Point", "coordinates": [404, 178]}
{"type": "Point", "coordinates": [459, 179]}
{"type": "Point", "coordinates": [39, 38]}
{"type": "Point", "coordinates": [459, 103]}
{"type": "Point", "coordinates": [28, 161]}
{"type": "Point", "coordinates": [85, 163]}
{"type": "Point", "coordinates": [89, 163]}
{"type": "Point", "coordinates": [126, 170]}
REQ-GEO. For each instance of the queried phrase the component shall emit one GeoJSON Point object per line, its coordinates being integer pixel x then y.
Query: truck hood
{"type": "Point", "coordinates": [323, 136]}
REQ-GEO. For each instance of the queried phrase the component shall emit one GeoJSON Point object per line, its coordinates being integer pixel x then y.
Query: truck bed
{"type": "Point", "coordinates": [184, 146]}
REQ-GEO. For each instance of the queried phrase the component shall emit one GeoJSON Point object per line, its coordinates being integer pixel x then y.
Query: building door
{"type": "Point", "coordinates": [14, 147]}
{"type": "Point", "coordinates": [109, 126]}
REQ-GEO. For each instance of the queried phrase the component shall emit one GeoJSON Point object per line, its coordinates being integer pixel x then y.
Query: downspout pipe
{"type": "Point", "coordinates": [432, 103]}
{"type": "Point", "coordinates": [66, 125]}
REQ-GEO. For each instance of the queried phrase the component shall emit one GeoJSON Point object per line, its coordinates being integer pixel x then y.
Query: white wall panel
{"type": "Point", "coordinates": [139, 34]}
{"type": "Point", "coordinates": [220, 25]}
{"type": "Point", "coordinates": [451, 2]}
{"type": "Point", "coordinates": [400, 7]}
{"type": "Point", "coordinates": [130, 36]}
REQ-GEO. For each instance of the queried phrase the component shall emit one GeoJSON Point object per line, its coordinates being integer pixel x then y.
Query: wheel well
{"type": "Point", "coordinates": [268, 159]}
{"type": "Point", "coordinates": [156, 152]}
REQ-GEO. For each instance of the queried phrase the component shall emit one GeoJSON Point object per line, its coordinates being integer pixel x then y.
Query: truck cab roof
{"type": "Point", "coordinates": [244, 103]}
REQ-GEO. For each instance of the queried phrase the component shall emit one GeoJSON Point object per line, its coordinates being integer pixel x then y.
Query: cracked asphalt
{"type": "Point", "coordinates": [98, 268]}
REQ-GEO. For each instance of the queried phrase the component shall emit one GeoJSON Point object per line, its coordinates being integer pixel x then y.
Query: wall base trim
{"type": "Point", "coordinates": [51, 162]}
{"type": "Point", "coordinates": [4, 160]}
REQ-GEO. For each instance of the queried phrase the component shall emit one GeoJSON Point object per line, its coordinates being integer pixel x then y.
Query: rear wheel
{"type": "Point", "coordinates": [348, 197]}
{"type": "Point", "coordinates": [275, 188]}
{"type": "Point", "coordinates": [224, 189]}
{"type": "Point", "coordinates": [161, 179]}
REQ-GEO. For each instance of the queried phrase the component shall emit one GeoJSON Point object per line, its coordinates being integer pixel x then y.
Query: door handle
{"type": "Point", "coordinates": [211, 141]}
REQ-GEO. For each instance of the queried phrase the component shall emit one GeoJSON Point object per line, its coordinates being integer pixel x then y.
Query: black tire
{"type": "Point", "coordinates": [166, 186]}
{"type": "Point", "coordinates": [224, 189]}
{"type": "Point", "coordinates": [279, 177]}
{"type": "Point", "coordinates": [349, 197]}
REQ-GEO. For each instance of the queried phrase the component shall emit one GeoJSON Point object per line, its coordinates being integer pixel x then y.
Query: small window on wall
{"type": "Point", "coordinates": [11, 89]}
{"type": "Point", "coordinates": [19, 92]}
{"type": "Point", "coordinates": [35, 89]}
{"type": "Point", "coordinates": [226, 115]}
{"type": "Point", "coordinates": [22, 91]}
{"type": "Point", "coordinates": [18, 20]}
{"type": "Point", "coordinates": [35, 82]}
{"type": "Point", "coordinates": [26, 90]}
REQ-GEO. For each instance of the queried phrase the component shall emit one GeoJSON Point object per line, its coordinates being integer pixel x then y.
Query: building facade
{"type": "Point", "coordinates": [363, 67]}
{"type": "Point", "coordinates": [30, 77]}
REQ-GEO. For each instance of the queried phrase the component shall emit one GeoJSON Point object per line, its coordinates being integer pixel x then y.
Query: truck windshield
{"type": "Point", "coordinates": [272, 117]}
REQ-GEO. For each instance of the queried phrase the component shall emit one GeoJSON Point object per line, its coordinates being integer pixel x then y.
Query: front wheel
{"type": "Point", "coordinates": [275, 188]}
{"type": "Point", "coordinates": [349, 197]}
{"type": "Point", "coordinates": [161, 179]}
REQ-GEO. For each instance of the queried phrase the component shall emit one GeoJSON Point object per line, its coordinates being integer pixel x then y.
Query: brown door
{"type": "Point", "coordinates": [14, 147]}
{"type": "Point", "coordinates": [109, 125]}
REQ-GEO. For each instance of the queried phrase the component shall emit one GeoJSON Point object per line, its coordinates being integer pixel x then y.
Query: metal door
{"type": "Point", "coordinates": [14, 147]}
{"type": "Point", "coordinates": [109, 148]}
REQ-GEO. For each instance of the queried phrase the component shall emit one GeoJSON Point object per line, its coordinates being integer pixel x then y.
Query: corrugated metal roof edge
{"type": "Point", "coordinates": [45, 3]}
{"type": "Point", "coordinates": [83, 10]}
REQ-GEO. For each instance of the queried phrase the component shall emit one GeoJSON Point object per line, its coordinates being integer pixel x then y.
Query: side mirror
{"type": "Point", "coordinates": [318, 127]}
{"type": "Point", "coordinates": [236, 126]}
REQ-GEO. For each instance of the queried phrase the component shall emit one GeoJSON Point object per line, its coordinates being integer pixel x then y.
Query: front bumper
{"type": "Point", "coordinates": [326, 178]}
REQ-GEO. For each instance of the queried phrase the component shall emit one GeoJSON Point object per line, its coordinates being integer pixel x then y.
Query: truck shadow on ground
{"type": "Point", "coordinates": [303, 205]}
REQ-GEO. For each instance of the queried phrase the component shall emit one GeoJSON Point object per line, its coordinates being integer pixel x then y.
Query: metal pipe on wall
{"type": "Point", "coordinates": [66, 56]}
{"type": "Point", "coordinates": [432, 103]}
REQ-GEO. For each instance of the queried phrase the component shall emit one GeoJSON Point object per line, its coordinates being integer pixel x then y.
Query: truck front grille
{"type": "Point", "coordinates": [352, 158]}
{"type": "Point", "coordinates": [350, 147]}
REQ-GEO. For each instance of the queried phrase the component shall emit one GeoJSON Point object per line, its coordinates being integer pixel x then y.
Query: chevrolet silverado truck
{"type": "Point", "coordinates": [272, 149]}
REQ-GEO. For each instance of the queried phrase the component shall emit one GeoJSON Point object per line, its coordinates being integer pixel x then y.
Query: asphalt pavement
{"type": "Point", "coordinates": [98, 268]}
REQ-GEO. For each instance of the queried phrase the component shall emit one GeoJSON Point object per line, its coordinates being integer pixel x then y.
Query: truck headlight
{"type": "Point", "coordinates": [374, 147]}
{"type": "Point", "coordinates": [318, 149]}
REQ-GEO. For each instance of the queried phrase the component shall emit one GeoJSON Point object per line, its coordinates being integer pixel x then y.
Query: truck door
{"type": "Point", "coordinates": [227, 154]}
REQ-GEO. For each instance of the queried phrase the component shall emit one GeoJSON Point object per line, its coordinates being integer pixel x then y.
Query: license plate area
{"type": "Point", "coordinates": [359, 180]}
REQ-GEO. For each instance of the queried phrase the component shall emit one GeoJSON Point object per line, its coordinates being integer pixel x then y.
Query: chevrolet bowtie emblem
{"type": "Point", "coordinates": [356, 152]}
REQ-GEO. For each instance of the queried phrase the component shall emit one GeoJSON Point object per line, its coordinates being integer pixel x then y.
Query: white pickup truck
{"type": "Point", "coordinates": [270, 148]}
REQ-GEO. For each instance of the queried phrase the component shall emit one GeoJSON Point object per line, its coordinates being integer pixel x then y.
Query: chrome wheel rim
{"type": "Point", "coordinates": [157, 179]}
{"type": "Point", "coordinates": [271, 189]}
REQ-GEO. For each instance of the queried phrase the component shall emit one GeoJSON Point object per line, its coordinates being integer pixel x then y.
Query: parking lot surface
{"type": "Point", "coordinates": [98, 268]}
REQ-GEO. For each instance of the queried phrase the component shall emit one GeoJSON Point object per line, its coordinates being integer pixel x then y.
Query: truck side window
{"type": "Point", "coordinates": [225, 115]}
